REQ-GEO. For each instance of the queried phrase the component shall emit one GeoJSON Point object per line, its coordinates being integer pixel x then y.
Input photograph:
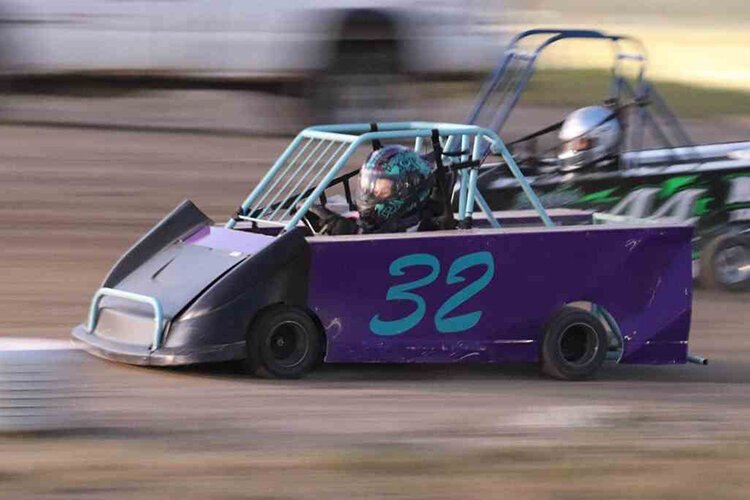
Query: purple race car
{"type": "Point", "coordinates": [527, 286]}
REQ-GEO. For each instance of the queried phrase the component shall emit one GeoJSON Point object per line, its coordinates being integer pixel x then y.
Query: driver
{"type": "Point", "coordinates": [590, 137]}
{"type": "Point", "coordinates": [393, 196]}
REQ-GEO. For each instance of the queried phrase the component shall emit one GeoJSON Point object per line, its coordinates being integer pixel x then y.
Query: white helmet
{"type": "Point", "coordinates": [589, 135]}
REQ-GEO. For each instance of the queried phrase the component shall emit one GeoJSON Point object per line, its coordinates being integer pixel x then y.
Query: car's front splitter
{"type": "Point", "coordinates": [143, 356]}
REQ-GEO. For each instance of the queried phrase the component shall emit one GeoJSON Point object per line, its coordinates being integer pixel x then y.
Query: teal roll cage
{"type": "Point", "coordinates": [318, 154]}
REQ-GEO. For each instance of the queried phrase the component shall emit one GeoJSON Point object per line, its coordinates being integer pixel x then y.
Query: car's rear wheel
{"type": "Point", "coordinates": [725, 263]}
{"type": "Point", "coordinates": [284, 342]}
{"type": "Point", "coordinates": [574, 345]}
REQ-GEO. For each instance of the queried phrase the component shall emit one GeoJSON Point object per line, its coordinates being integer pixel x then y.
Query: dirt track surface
{"type": "Point", "coordinates": [73, 200]}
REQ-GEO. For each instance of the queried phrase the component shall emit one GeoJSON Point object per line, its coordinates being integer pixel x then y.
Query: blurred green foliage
{"type": "Point", "coordinates": [580, 87]}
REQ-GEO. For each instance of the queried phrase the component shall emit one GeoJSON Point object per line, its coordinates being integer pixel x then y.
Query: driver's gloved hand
{"type": "Point", "coordinates": [321, 212]}
{"type": "Point", "coordinates": [332, 223]}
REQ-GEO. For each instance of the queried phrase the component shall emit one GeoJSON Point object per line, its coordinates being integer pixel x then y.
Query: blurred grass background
{"type": "Point", "coordinates": [688, 41]}
{"type": "Point", "coordinates": [577, 87]}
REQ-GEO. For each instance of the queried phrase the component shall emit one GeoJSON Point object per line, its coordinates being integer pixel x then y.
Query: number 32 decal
{"type": "Point", "coordinates": [443, 322]}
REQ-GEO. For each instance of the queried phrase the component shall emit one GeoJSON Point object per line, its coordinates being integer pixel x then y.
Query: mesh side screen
{"type": "Point", "coordinates": [304, 169]}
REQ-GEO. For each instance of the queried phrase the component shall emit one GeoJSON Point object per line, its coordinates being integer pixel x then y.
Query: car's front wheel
{"type": "Point", "coordinates": [284, 342]}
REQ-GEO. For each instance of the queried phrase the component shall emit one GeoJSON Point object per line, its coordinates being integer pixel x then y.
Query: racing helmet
{"type": "Point", "coordinates": [394, 181]}
{"type": "Point", "coordinates": [589, 136]}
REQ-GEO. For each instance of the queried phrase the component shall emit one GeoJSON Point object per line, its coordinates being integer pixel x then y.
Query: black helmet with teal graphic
{"type": "Point", "coordinates": [395, 181]}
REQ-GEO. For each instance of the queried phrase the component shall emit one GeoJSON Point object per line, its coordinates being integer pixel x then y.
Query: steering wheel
{"type": "Point", "coordinates": [315, 218]}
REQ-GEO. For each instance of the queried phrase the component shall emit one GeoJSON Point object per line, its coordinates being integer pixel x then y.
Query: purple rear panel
{"type": "Point", "coordinates": [486, 294]}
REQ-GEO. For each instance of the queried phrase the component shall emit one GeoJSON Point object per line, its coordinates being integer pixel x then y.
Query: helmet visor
{"type": "Point", "coordinates": [374, 188]}
{"type": "Point", "coordinates": [578, 144]}
{"type": "Point", "coordinates": [380, 189]}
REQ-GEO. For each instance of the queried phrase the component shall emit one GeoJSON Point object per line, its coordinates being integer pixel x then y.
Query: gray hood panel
{"type": "Point", "coordinates": [175, 276]}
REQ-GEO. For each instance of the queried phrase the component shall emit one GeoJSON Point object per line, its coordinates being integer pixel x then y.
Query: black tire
{"type": "Point", "coordinates": [360, 84]}
{"type": "Point", "coordinates": [284, 342]}
{"type": "Point", "coordinates": [574, 345]}
{"type": "Point", "coordinates": [722, 262]}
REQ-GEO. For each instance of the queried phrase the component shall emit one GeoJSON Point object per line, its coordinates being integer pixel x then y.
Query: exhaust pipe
{"type": "Point", "coordinates": [698, 360]}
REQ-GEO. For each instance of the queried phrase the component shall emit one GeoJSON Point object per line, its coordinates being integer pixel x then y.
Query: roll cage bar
{"type": "Point", "coordinates": [515, 68]}
{"type": "Point", "coordinates": [313, 161]}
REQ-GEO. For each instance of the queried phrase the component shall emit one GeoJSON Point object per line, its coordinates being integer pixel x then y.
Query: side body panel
{"type": "Point", "coordinates": [486, 295]}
